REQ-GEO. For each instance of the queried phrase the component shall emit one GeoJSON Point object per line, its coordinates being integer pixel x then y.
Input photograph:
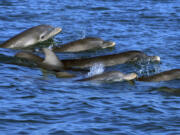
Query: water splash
{"type": "Point", "coordinates": [147, 68]}
{"type": "Point", "coordinates": [97, 68]}
{"type": "Point", "coordinates": [83, 34]}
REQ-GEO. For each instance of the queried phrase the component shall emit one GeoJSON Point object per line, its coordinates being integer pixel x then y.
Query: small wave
{"type": "Point", "coordinates": [83, 33]}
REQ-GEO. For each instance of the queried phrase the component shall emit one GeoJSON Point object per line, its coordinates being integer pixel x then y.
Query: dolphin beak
{"type": "Point", "coordinates": [55, 31]}
{"type": "Point", "coordinates": [109, 44]}
{"type": "Point", "coordinates": [58, 29]}
{"type": "Point", "coordinates": [157, 58]}
{"type": "Point", "coordinates": [113, 44]}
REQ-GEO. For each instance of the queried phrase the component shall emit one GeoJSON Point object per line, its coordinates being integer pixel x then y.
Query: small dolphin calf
{"type": "Point", "coordinates": [85, 44]}
{"type": "Point", "coordinates": [163, 76]}
{"type": "Point", "coordinates": [31, 36]}
{"type": "Point", "coordinates": [113, 76]}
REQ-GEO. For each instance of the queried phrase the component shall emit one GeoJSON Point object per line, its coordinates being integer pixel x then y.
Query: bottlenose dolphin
{"type": "Point", "coordinates": [163, 76]}
{"type": "Point", "coordinates": [31, 36]}
{"type": "Point", "coordinates": [107, 60]}
{"type": "Point", "coordinates": [85, 44]}
{"type": "Point", "coordinates": [113, 76]}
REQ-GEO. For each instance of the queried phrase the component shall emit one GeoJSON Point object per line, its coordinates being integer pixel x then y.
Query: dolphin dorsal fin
{"type": "Point", "coordinates": [51, 58]}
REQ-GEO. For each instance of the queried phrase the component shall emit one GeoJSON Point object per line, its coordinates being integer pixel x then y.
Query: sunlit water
{"type": "Point", "coordinates": [35, 103]}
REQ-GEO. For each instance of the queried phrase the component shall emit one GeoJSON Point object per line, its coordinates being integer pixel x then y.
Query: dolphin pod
{"type": "Point", "coordinates": [42, 33]}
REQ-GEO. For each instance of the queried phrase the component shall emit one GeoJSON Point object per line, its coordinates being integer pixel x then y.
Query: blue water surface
{"type": "Point", "coordinates": [32, 102]}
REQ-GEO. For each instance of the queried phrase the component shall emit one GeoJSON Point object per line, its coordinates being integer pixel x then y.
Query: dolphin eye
{"type": "Point", "coordinates": [42, 37]}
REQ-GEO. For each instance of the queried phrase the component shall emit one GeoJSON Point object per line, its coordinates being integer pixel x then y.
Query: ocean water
{"type": "Point", "coordinates": [33, 102]}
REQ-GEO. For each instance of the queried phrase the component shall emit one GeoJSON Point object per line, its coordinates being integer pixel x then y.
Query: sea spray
{"type": "Point", "coordinates": [147, 68]}
{"type": "Point", "coordinates": [97, 68]}
{"type": "Point", "coordinates": [83, 35]}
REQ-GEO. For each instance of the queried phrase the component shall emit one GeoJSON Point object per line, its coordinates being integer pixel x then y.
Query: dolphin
{"type": "Point", "coordinates": [109, 60]}
{"type": "Point", "coordinates": [163, 76]}
{"type": "Point", "coordinates": [31, 37]}
{"type": "Point", "coordinates": [112, 76]}
{"type": "Point", "coordinates": [106, 60]}
{"type": "Point", "coordinates": [84, 44]}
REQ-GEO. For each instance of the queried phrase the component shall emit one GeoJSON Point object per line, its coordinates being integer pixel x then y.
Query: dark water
{"type": "Point", "coordinates": [34, 103]}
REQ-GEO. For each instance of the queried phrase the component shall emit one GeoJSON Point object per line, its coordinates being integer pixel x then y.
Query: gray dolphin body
{"type": "Point", "coordinates": [107, 60]}
{"type": "Point", "coordinates": [85, 44]}
{"type": "Point", "coordinates": [29, 56]}
{"type": "Point", "coordinates": [113, 76]}
{"type": "Point", "coordinates": [163, 76]}
{"type": "Point", "coordinates": [31, 36]}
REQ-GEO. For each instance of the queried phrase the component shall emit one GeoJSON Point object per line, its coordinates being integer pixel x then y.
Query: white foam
{"type": "Point", "coordinates": [147, 68]}
{"type": "Point", "coordinates": [83, 34]}
{"type": "Point", "coordinates": [97, 68]}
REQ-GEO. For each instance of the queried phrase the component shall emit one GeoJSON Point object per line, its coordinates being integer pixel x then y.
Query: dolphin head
{"type": "Point", "coordinates": [31, 36]}
{"type": "Point", "coordinates": [107, 44]}
{"type": "Point", "coordinates": [45, 32]}
{"type": "Point", "coordinates": [98, 42]}
{"type": "Point", "coordinates": [155, 58]}
{"type": "Point", "coordinates": [130, 76]}
{"type": "Point", "coordinates": [118, 76]}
